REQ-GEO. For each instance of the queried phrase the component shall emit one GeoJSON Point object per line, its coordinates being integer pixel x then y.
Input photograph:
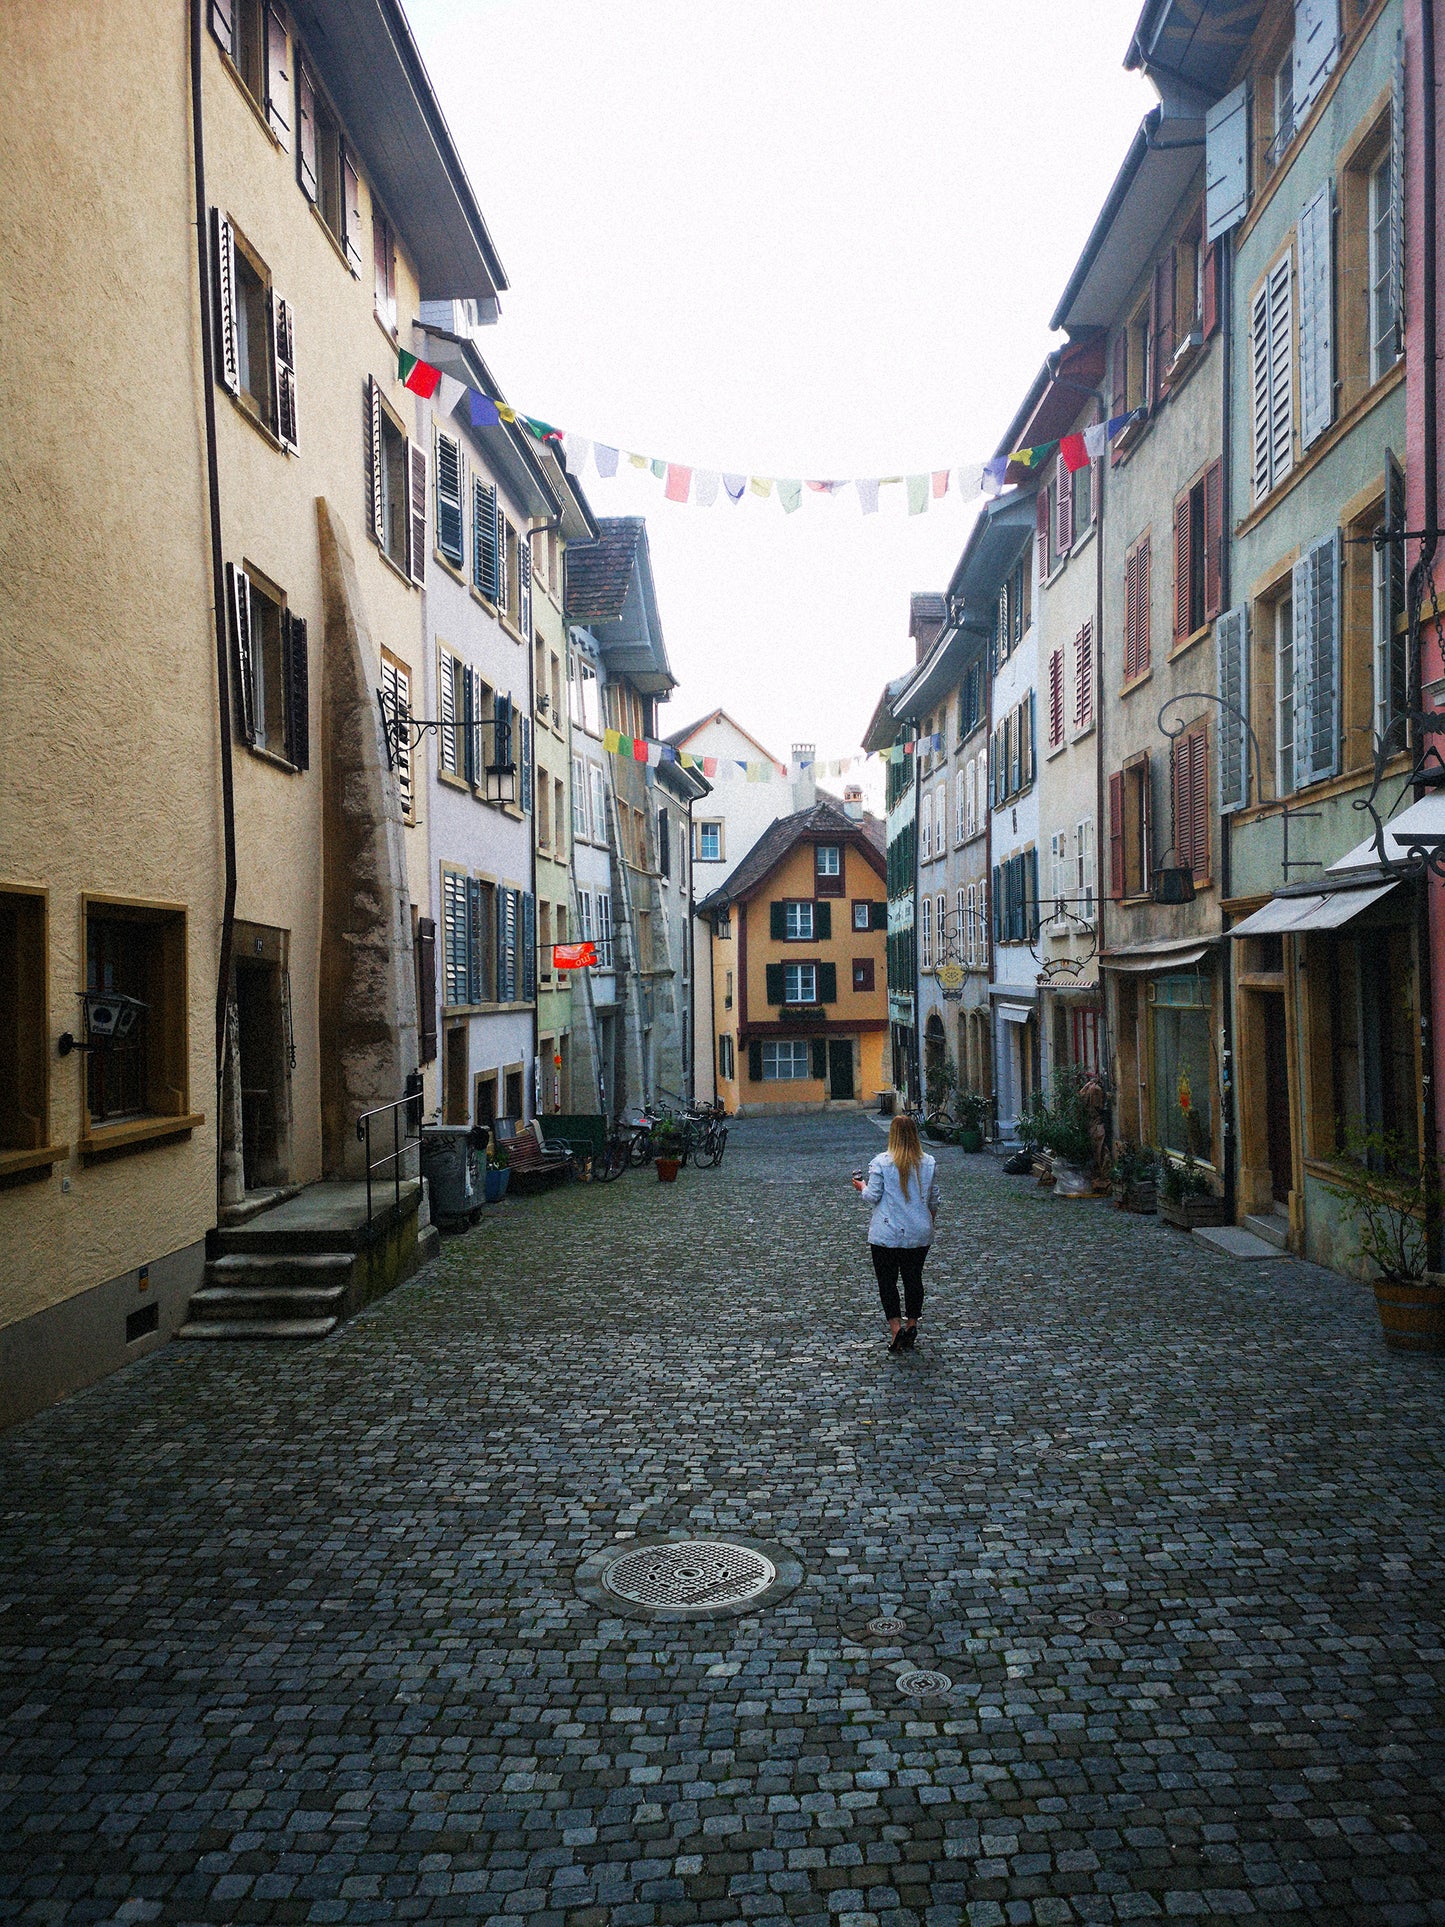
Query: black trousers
{"type": "Point", "coordinates": [888, 1262]}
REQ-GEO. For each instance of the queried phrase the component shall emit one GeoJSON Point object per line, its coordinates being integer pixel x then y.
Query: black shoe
{"type": "Point", "coordinates": [897, 1344]}
{"type": "Point", "coordinates": [909, 1336]}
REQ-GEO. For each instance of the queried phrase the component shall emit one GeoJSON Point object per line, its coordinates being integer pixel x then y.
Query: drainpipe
{"type": "Point", "coordinates": [917, 953]}
{"type": "Point", "coordinates": [529, 651]}
{"type": "Point", "coordinates": [218, 560]}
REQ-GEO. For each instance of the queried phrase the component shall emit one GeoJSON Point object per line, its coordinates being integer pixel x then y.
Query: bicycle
{"type": "Point", "coordinates": [611, 1162]}
{"type": "Point", "coordinates": [709, 1152]}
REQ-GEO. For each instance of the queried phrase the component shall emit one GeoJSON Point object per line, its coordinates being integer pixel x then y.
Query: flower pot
{"type": "Point", "coordinates": [1189, 1212]}
{"type": "Point", "coordinates": [667, 1170]}
{"type": "Point", "coordinates": [1412, 1313]}
{"type": "Point", "coordinates": [1143, 1198]}
{"type": "Point", "coordinates": [969, 1139]}
{"type": "Point", "coordinates": [1072, 1180]}
{"type": "Point", "coordinates": [496, 1184]}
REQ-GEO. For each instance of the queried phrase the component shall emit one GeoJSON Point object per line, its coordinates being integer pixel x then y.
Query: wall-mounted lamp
{"type": "Point", "coordinates": [110, 1017]}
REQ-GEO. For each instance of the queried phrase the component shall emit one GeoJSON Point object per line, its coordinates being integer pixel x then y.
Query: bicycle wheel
{"type": "Point", "coordinates": [611, 1163]}
{"type": "Point", "coordinates": [638, 1147]}
{"type": "Point", "coordinates": [721, 1145]}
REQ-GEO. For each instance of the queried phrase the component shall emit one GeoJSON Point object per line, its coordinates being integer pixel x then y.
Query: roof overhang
{"type": "Point", "coordinates": [1193, 44]}
{"type": "Point", "coordinates": [960, 645]}
{"type": "Point", "coordinates": [883, 724]}
{"type": "Point", "coordinates": [365, 54]}
{"type": "Point", "coordinates": [511, 454]}
{"type": "Point", "coordinates": [1003, 529]}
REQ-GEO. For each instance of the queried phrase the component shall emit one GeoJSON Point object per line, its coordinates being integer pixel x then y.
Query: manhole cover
{"type": "Point", "coordinates": [1104, 1619]}
{"type": "Point", "coordinates": [886, 1628]}
{"type": "Point", "coordinates": [922, 1683]}
{"type": "Point", "coordinates": [689, 1575]}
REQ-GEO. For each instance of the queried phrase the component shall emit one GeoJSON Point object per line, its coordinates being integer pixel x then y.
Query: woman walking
{"type": "Point", "coordinates": [902, 1187]}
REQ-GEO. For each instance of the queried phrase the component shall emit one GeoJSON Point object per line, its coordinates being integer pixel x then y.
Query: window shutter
{"type": "Point", "coordinates": [474, 934]}
{"type": "Point", "coordinates": [1230, 638]}
{"type": "Point", "coordinates": [1317, 661]}
{"type": "Point", "coordinates": [305, 130]}
{"type": "Point", "coordinates": [529, 947]}
{"type": "Point", "coordinates": [278, 78]}
{"type": "Point", "coordinates": [1084, 677]}
{"type": "Point", "coordinates": [1031, 885]}
{"type": "Point", "coordinates": [502, 592]}
{"type": "Point", "coordinates": [1181, 567]}
{"type": "Point", "coordinates": [1226, 162]}
{"type": "Point", "coordinates": [524, 586]}
{"type": "Point", "coordinates": [823, 922]}
{"type": "Point", "coordinates": [1041, 529]}
{"type": "Point", "coordinates": [416, 521]}
{"type": "Point", "coordinates": [1209, 292]}
{"type": "Point", "coordinates": [239, 587]}
{"type": "Point", "coordinates": [1199, 800]}
{"type": "Point", "coordinates": [471, 706]}
{"type": "Point", "coordinates": [820, 1057]}
{"type": "Point", "coordinates": [223, 247]}
{"type": "Point", "coordinates": [1146, 823]}
{"type": "Point", "coordinates": [1213, 537]}
{"type": "Point", "coordinates": [1056, 698]}
{"type": "Point", "coordinates": [878, 916]}
{"type": "Point", "coordinates": [664, 843]}
{"type": "Point", "coordinates": [526, 771]}
{"type": "Point", "coordinates": [484, 538]}
{"type": "Point", "coordinates": [454, 938]}
{"type": "Point", "coordinates": [777, 921]}
{"type": "Point", "coordinates": [1064, 510]}
{"type": "Point", "coordinates": [775, 986]}
{"type": "Point", "coordinates": [827, 983]}
{"type": "Point", "coordinates": [396, 694]}
{"type": "Point", "coordinates": [223, 24]}
{"type": "Point", "coordinates": [1142, 560]}
{"type": "Point", "coordinates": [1121, 373]}
{"type": "Point", "coordinates": [374, 452]}
{"type": "Point", "coordinates": [449, 498]}
{"type": "Point", "coordinates": [507, 960]}
{"type": "Point", "coordinates": [755, 1061]}
{"type": "Point", "coordinates": [1281, 384]}
{"type": "Point", "coordinates": [1316, 315]}
{"type": "Point", "coordinates": [1163, 321]}
{"type": "Point", "coordinates": [1259, 392]}
{"type": "Point", "coordinates": [1316, 44]}
{"type": "Point", "coordinates": [1396, 696]}
{"type": "Point", "coordinates": [1116, 835]}
{"type": "Point", "coordinates": [1180, 765]}
{"type": "Point", "coordinates": [351, 213]}
{"type": "Point", "coordinates": [425, 964]}
{"type": "Point", "coordinates": [997, 932]}
{"type": "Point", "coordinates": [283, 349]}
{"type": "Point", "coordinates": [1131, 615]}
{"type": "Point", "coordinates": [298, 691]}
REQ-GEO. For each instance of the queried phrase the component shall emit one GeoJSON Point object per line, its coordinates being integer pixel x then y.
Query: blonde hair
{"type": "Point", "coordinates": [905, 1149]}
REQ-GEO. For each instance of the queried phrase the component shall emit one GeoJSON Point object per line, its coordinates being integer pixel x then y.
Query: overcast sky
{"type": "Point", "coordinates": [793, 238]}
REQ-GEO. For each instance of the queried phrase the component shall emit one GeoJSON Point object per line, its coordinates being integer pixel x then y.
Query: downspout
{"type": "Point", "coordinates": [1223, 293]}
{"type": "Point", "coordinates": [1428, 390]}
{"type": "Point", "coordinates": [529, 651]}
{"type": "Point", "coordinates": [918, 1089]}
{"type": "Point", "coordinates": [218, 561]}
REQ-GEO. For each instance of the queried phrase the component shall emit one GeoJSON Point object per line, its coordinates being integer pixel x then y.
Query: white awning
{"type": "Point", "coordinates": [1290, 916]}
{"type": "Point", "coordinates": [1423, 822]}
{"type": "Point", "coordinates": [1015, 1013]}
{"type": "Point", "coordinates": [1151, 957]}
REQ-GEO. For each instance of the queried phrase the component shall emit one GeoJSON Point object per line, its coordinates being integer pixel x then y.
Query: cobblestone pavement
{"type": "Point", "coordinates": [293, 1635]}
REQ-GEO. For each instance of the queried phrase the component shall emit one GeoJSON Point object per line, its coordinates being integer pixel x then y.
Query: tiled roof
{"type": "Point", "coordinates": [821, 820]}
{"type": "Point", "coordinates": [599, 574]}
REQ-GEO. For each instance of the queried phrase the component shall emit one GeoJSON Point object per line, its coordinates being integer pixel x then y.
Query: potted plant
{"type": "Point", "coordinates": [971, 1110]}
{"type": "Point", "coordinates": [1186, 1194]}
{"type": "Point", "coordinates": [1387, 1191]}
{"type": "Point", "coordinates": [666, 1140]}
{"type": "Point", "coordinates": [498, 1173]}
{"type": "Point", "coordinates": [1134, 1176]}
{"type": "Point", "coordinates": [1066, 1129]}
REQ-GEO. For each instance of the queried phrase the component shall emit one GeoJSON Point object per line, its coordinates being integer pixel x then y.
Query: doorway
{"type": "Point", "coordinates": [840, 1067]}
{"type": "Point", "coordinates": [456, 1083]}
{"type": "Point", "coordinates": [264, 1054]}
{"type": "Point", "coordinates": [1276, 1098]}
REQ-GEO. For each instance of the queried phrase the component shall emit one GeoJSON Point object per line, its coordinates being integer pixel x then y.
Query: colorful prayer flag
{"type": "Point", "coordinates": [449, 393]}
{"type": "Point", "coordinates": [576, 448]}
{"type": "Point", "coordinates": [735, 485]}
{"type": "Point", "coordinates": [1096, 440]}
{"type": "Point", "coordinates": [709, 766]}
{"type": "Point", "coordinates": [659, 467]}
{"type": "Point", "coordinates": [638, 461]}
{"type": "Point", "coordinates": [995, 473]}
{"type": "Point", "coordinates": [417, 375]}
{"type": "Point", "coordinates": [612, 741]}
{"type": "Point", "coordinates": [761, 484]}
{"type": "Point", "coordinates": [606, 460]}
{"type": "Point", "coordinates": [940, 484]}
{"type": "Point", "coordinates": [867, 495]}
{"type": "Point", "coordinates": [790, 494]}
{"type": "Point", "coordinates": [1073, 453]}
{"type": "Point", "coordinates": [679, 481]}
{"type": "Point", "coordinates": [639, 749]}
{"type": "Point", "coordinates": [484, 411]}
{"type": "Point", "coordinates": [704, 487]}
{"type": "Point", "coordinates": [917, 494]}
{"type": "Point", "coordinates": [506, 414]}
{"type": "Point", "coordinates": [970, 479]}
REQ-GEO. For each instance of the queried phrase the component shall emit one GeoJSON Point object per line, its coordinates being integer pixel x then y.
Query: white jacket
{"type": "Point", "coordinates": [902, 1223]}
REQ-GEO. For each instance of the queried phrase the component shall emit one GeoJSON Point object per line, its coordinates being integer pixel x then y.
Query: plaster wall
{"type": "Point", "coordinates": [108, 758]}
{"type": "Point", "coordinates": [1016, 823]}
{"type": "Point", "coordinates": [552, 752]}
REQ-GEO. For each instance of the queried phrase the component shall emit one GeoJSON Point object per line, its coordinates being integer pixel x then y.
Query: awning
{"type": "Point", "coordinates": [1172, 954]}
{"type": "Point", "coordinates": [1015, 1013]}
{"type": "Point", "coordinates": [1323, 911]}
{"type": "Point", "coordinates": [1422, 824]}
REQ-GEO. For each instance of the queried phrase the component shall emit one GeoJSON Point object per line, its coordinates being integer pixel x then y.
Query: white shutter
{"type": "Point", "coordinates": [416, 467]}
{"type": "Point", "coordinates": [1259, 392]}
{"type": "Point", "coordinates": [1316, 588]}
{"type": "Point", "coordinates": [378, 491]}
{"type": "Point", "coordinates": [396, 694]}
{"type": "Point", "coordinates": [351, 213]}
{"type": "Point", "coordinates": [1316, 45]}
{"type": "Point", "coordinates": [306, 131]}
{"type": "Point", "coordinates": [524, 585]}
{"type": "Point", "coordinates": [283, 358]}
{"type": "Point", "coordinates": [223, 24]}
{"type": "Point", "coordinates": [447, 712]}
{"type": "Point", "coordinates": [228, 360]}
{"type": "Point", "coordinates": [1230, 636]}
{"type": "Point", "coordinates": [238, 585]}
{"type": "Point", "coordinates": [1316, 314]}
{"type": "Point", "coordinates": [278, 77]}
{"type": "Point", "coordinates": [1226, 162]}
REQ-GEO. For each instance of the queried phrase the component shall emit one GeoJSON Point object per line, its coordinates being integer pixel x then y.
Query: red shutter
{"type": "Point", "coordinates": [1163, 321]}
{"type": "Point", "coordinates": [1116, 835]}
{"type": "Point", "coordinates": [1084, 677]}
{"type": "Point", "coordinates": [1056, 698]}
{"type": "Point", "coordinates": [1180, 765]}
{"type": "Point", "coordinates": [1213, 537]}
{"type": "Point", "coordinates": [1141, 606]}
{"type": "Point", "coordinates": [1209, 297]}
{"type": "Point", "coordinates": [1182, 626]}
{"type": "Point", "coordinates": [1041, 527]}
{"type": "Point", "coordinates": [1131, 615]}
{"type": "Point", "coordinates": [1199, 800]}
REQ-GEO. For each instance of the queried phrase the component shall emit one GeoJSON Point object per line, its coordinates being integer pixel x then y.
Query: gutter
{"type": "Point", "coordinates": [218, 562]}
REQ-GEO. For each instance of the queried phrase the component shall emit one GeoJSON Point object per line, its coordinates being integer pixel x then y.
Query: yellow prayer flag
{"type": "Point", "coordinates": [612, 741]}
{"type": "Point", "coordinates": [507, 414]}
{"type": "Point", "coordinates": [638, 461]}
{"type": "Point", "coordinates": [1024, 456]}
{"type": "Point", "coordinates": [761, 484]}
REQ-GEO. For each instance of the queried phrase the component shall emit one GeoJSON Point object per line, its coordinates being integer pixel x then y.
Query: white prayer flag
{"type": "Point", "coordinates": [1096, 440]}
{"type": "Point", "coordinates": [704, 487]}
{"type": "Point", "coordinates": [449, 393]}
{"type": "Point", "coordinates": [868, 495]}
{"type": "Point", "coordinates": [576, 448]}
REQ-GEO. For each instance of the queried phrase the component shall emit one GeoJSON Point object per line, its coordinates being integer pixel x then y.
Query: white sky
{"type": "Point", "coordinates": [792, 237]}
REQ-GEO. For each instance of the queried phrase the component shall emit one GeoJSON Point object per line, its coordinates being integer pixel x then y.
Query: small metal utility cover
{"type": "Point", "coordinates": [923, 1683]}
{"type": "Point", "coordinates": [687, 1578]}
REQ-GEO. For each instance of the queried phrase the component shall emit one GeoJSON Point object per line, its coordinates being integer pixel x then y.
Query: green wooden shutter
{"type": "Point", "coordinates": [755, 1061]}
{"type": "Point", "coordinates": [298, 691]}
{"type": "Point", "coordinates": [485, 573]}
{"type": "Point", "coordinates": [776, 991]}
{"type": "Point", "coordinates": [878, 916]}
{"type": "Point", "coordinates": [823, 921]}
{"type": "Point", "coordinates": [777, 921]}
{"type": "Point", "coordinates": [529, 947]}
{"type": "Point", "coordinates": [827, 983]}
{"type": "Point", "coordinates": [820, 1057]}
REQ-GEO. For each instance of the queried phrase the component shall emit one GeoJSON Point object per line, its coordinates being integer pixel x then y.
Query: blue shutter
{"type": "Point", "coordinates": [1231, 635]}
{"type": "Point", "coordinates": [485, 573]}
{"type": "Point", "coordinates": [1226, 162]}
{"type": "Point", "coordinates": [1317, 665]}
{"type": "Point", "coordinates": [529, 947]}
{"type": "Point", "coordinates": [454, 937]}
{"type": "Point", "coordinates": [524, 786]}
{"type": "Point", "coordinates": [1316, 314]}
{"type": "Point", "coordinates": [449, 497]}
{"type": "Point", "coordinates": [476, 938]}
{"type": "Point", "coordinates": [470, 733]}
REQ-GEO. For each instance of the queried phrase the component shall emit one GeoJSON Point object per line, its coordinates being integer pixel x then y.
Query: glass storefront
{"type": "Point", "coordinates": [1183, 1065]}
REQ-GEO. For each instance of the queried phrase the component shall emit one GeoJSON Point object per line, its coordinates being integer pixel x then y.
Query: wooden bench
{"type": "Point", "coordinates": [534, 1164]}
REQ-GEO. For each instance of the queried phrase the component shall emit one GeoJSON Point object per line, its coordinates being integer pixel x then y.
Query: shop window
{"type": "Point", "coordinates": [1183, 1065]}
{"type": "Point", "coordinates": [138, 952]}
{"type": "Point", "coordinates": [1372, 1037]}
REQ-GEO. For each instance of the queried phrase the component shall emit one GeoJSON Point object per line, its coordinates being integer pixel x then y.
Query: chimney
{"type": "Point", "coordinates": [853, 801]}
{"type": "Point", "coordinates": [805, 787]}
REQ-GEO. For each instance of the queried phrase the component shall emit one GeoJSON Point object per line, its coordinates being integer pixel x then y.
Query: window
{"type": "Point", "coordinates": [945, 948]}
{"type": "Point", "coordinates": [862, 973]}
{"type": "Point", "coordinates": [396, 705]}
{"type": "Point", "coordinates": [1016, 897]}
{"type": "Point", "coordinates": [269, 653]}
{"type": "Point", "coordinates": [140, 953]}
{"type": "Point", "coordinates": [383, 251]}
{"type": "Point", "coordinates": [788, 1061]}
{"type": "Point", "coordinates": [604, 929]}
{"type": "Point", "coordinates": [253, 332]}
{"type": "Point", "coordinates": [728, 991]}
{"type": "Point", "coordinates": [940, 819]}
{"type": "Point", "coordinates": [584, 916]}
{"type": "Point", "coordinates": [1279, 104]}
{"type": "Point", "coordinates": [800, 983]}
{"type": "Point", "coordinates": [970, 702]}
{"type": "Point", "coordinates": [961, 812]}
{"type": "Point", "coordinates": [1372, 1041]}
{"type": "Point", "coordinates": [544, 815]}
{"type": "Point", "coordinates": [828, 869]}
{"type": "Point", "coordinates": [544, 939]}
{"type": "Point", "coordinates": [24, 1039]}
{"type": "Point", "coordinates": [664, 843]}
{"type": "Point", "coordinates": [1130, 844]}
{"type": "Point", "coordinates": [599, 805]}
{"type": "Point", "coordinates": [1385, 346]}
{"type": "Point", "coordinates": [1387, 612]}
{"type": "Point", "coordinates": [1085, 876]}
{"type": "Point", "coordinates": [1140, 359]}
{"type": "Point", "coordinates": [1136, 611]}
{"type": "Point", "coordinates": [326, 168]}
{"type": "Point", "coordinates": [449, 494]}
{"type": "Point", "coordinates": [1082, 482]}
{"type": "Point", "coordinates": [1190, 775]}
{"type": "Point", "coordinates": [559, 815]}
{"type": "Point", "coordinates": [469, 939]}
{"type": "Point", "coordinates": [726, 1062]}
{"type": "Point", "coordinates": [1084, 677]}
{"type": "Point", "coordinates": [1198, 518]}
{"type": "Point", "coordinates": [589, 695]}
{"type": "Point", "coordinates": [579, 798]}
{"type": "Point", "coordinates": [798, 921]}
{"type": "Point", "coordinates": [254, 35]}
{"type": "Point", "coordinates": [970, 796]}
{"type": "Point", "coordinates": [489, 556]}
{"type": "Point", "coordinates": [970, 925]}
{"type": "Point", "coordinates": [709, 842]}
{"type": "Point", "coordinates": [255, 335]}
{"type": "Point", "coordinates": [1284, 696]}
{"type": "Point", "coordinates": [1271, 355]}
{"type": "Point", "coordinates": [1183, 1065]}
{"type": "Point", "coordinates": [925, 933]}
{"type": "Point", "coordinates": [925, 828]}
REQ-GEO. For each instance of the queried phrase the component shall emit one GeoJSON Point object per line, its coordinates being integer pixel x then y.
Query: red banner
{"type": "Point", "coordinates": [573, 956]}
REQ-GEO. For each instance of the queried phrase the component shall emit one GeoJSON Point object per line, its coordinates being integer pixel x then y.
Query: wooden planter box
{"type": "Point", "coordinates": [1412, 1314]}
{"type": "Point", "coordinates": [1143, 1198]}
{"type": "Point", "coordinates": [1191, 1212]}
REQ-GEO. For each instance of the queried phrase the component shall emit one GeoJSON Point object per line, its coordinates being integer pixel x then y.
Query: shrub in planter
{"type": "Point", "coordinates": [1134, 1175]}
{"type": "Point", "coordinates": [971, 1110]}
{"type": "Point", "coordinates": [1387, 1191]}
{"type": "Point", "coordinates": [1186, 1194]}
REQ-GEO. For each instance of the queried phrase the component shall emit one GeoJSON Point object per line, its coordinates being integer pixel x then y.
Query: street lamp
{"type": "Point", "coordinates": [110, 1017]}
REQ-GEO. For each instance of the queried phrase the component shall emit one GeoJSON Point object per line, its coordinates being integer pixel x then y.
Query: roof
{"type": "Point", "coordinates": [599, 574]}
{"type": "Point", "coordinates": [821, 819]}
{"type": "Point", "coordinates": [364, 52]}
{"type": "Point", "coordinates": [680, 737]}
{"type": "Point", "coordinates": [882, 725]}
{"type": "Point", "coordinates": [610, 589]}
{"type": "Point", "coordinates": [1193, 43]}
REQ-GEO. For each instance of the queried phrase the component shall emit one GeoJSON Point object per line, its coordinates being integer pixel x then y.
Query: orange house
{"type": "Point", "coordinates": [800, 997]}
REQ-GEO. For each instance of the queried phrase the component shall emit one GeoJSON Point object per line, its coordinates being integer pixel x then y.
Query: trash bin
{"type": "Point", "coordinates": [449, 1165]}
{"type": "Point", "coordinates": [887, 1101]}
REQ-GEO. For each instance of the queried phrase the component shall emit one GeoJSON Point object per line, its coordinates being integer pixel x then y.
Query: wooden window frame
{"type": "Point", "coordinates": [25, 1009]}
{"type": "Point", "coordinates": [167, 1039]}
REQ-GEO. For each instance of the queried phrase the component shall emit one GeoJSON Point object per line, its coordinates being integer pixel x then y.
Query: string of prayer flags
{"type": "Point", "coordinates": [417, 375]}
{"type": "Point", "coordinates": [1032, 457]}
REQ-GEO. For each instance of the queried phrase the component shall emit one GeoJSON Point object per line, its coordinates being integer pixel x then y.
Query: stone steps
{"type": "Point", "coordinates": [232, 1328]}
{"type": "Point", "coordinates": [1272, 1226]}
{"type": "Point", "coordinates": [270, 1294]}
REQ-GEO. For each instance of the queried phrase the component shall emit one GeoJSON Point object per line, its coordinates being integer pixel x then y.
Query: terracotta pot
{"type": "Point", "coordinates": [1412, 1313]}
{"type": "Point", "coordinates": [667, 1170]}
{"type": "Point", "coordinates": [1189, 1212]}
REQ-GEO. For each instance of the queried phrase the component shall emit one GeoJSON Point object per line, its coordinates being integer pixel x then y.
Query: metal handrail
{"type": "Point", "coordinates": [405, 1130]}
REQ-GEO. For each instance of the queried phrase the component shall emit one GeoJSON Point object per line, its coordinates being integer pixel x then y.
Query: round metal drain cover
{"type": "Point", "coordinates": [922, 1683]}
{"type": "Point", "coordinates": [886, 1628]}
{"type": "Point", "coordinates": [1104, 1619]}
{"type": "Point", "coordinates": [696, 1575]}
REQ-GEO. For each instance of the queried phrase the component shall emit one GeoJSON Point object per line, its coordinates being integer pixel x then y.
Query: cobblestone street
{"type": "Point", "coordinates": [293, 1634]}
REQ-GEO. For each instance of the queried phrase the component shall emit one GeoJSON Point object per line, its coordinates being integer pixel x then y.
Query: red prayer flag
{"type": "Point", "coordinates": [573, 956]}
{"type": "Point", "coordinates": [639, 749]}
{"type": "Point", "coordinates": [679, 481]}
{"type": "Point", "coordinates": [940, 484]}
{"type": "Point", "coordinates": [1072, 452]}
{"type": "Point", "coordinates": [709, 766]}
{"type": "Point", "coordinates": [419, 376]}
